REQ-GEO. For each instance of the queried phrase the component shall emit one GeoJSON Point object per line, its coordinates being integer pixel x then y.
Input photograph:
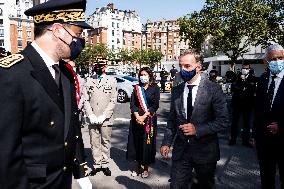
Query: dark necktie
{"type": "Point", "coordinates": [57, 74]}
{"type": "Point", "coordinates": [189, 102]}
{"type": "Point", "coordinates": [270, 92]}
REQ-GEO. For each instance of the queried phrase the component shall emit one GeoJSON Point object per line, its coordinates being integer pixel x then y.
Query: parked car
{"type": "Point", "coordinates": [125, 87]}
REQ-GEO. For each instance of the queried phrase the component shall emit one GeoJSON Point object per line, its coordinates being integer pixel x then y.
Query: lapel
{"type": "Point", "coordinates": [279, 95]}
{"type": "Point", "coordinates": [179, 100]}
{"type": "Point", "coordinates": [42, 74]}
{"type": "Point", "coordinates": [201, 89]}
{"type": "Point", "coordinates": [97, 82]}
{"type": "Point", "coordinates": [67, 97]}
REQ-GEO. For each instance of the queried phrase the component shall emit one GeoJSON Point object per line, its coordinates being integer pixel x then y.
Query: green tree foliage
{"type": "Point", "coordinates": [89, 55]}
{"type": "Point", "coordinates": [276, 21]}
{"type": "Point", "coordinates": [231, 25]}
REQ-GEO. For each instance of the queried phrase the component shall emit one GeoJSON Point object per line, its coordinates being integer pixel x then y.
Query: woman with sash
{"type": "Point", "coordinates": [144, 104]}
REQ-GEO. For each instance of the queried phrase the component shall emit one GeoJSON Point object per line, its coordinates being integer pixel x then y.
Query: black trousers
{"type": "Point", "coordinates": [237, 111]}
{"type": "Point", "coordinates": [163, 86]}
{"type": "Point", "coordinates": [181, 173]}
{"type": "Point", "coordinates": [270, 156]}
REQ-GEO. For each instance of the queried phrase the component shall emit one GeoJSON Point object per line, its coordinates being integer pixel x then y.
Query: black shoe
{"type": "Point", "coordinates": [106, 171]}
{"type": "Point", "coordinates": [95, 171]}
{"type": "Point", "coordinates": [247, 144]}
{"type": "Point", "coordinates": [231, 143]}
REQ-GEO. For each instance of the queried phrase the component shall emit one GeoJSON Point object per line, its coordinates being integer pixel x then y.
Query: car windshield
{"type": "Point", "coordinates": [130, 78]}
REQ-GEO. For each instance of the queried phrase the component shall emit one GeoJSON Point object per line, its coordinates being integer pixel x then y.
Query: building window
{"type": "Point", "coordinates": [132, 43]}
{"type": "Point", "coordinates": [1, 12]}
{"type": "Point", "coordinates": [29, 34]}
{"type": "Point", "coordinates": [112, 47]}
{"type": "Point", "coordinates": [20, 34]}
{"type": "Point", "coordinates": [27, 5]}
{"type": "Point", "coordinates": [112, 32]}
{"type": "Point", "coordinates": [1, 32]}
{"type": "Point", "coordinates": [19, 24]}
{"type": "Point", "coordinates": [123, 41]}
{"type": "Point", "coordinates": [1, 22]}
{"type": "Point", "coordinates": [28, 25]}
{"type": "Point", "coordinates": [20, 44]}
{"type": "Point", "coordinates": [112, 24]}
{"type": "Point", "coordinates": [2, 42]}
{"type": "Point", "coordinates": [117, 25]}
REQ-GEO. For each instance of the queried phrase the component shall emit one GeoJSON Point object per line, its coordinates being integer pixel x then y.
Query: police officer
{"type": "Point", "coordinates": [100, 94]}
{"type": "Point", "coordinates": [40, 138]}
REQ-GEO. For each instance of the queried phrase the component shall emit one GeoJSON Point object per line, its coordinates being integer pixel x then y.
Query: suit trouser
{"type": "Point", "coordinates": [100, 144]}
{"type": "Point", "coordinates": [246, 112]}
{"type": "Point", "coordinates": [270, 156]}
{"type": "Point", "coordinates": [181, 173]}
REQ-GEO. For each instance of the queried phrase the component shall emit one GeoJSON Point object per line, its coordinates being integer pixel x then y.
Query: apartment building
{"type": "Point", "coordinates": [116, 28]}
{"type": "Point", "coordinates": [163, 35]}
{"type": "Point", "coordinates": [16, 29]}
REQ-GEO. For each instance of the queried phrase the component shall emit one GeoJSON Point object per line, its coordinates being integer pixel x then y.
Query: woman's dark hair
{"type": "Point", "coordinates": [151, 76]}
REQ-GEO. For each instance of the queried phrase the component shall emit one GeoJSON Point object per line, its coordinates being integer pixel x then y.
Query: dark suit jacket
{"type": "Point", "coordinates": [263, 117]}
{"type": "Point", "coordinates": [209, 116]}
{"type": "Point", "coordinates": [39, 130]}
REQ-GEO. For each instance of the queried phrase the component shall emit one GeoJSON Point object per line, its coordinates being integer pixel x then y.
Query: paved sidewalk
{"type": "Point", "coordinates": [237, 168]}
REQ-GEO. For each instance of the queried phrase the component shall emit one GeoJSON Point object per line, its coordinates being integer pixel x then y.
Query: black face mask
{"type": "Point", "coordinates": [76, 46]}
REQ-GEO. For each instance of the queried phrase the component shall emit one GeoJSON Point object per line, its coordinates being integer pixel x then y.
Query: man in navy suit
{"type": "Point", "coordinates": [269, 119]}
{"type": "Point", "coordinates": [198, 112]}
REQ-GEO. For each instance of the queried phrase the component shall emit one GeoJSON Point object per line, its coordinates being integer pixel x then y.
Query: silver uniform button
{"type": "Point", "coordinates": [52, 123]}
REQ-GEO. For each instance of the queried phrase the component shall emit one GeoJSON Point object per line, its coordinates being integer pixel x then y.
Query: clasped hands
{"type": "Point", "coordinates": [140, 119]}
{"type": "Point", "coordinates": [97, 120]}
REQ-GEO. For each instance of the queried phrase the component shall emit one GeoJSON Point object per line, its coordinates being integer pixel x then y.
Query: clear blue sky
{"type": "Point", "coordinates": [151, 9]}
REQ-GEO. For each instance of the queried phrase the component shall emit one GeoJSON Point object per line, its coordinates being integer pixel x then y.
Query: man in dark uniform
{"type": "Point", "coordinates": [242, 104]}
{"type": "Point", "coordinates": [40, 138]}
{"type": "Point", "coordinates": [164, 77]}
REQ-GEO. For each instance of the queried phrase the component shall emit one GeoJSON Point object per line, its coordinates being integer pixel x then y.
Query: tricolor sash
{"type": "Point", "coordinates": [144, 105]}
{"type": "Point", "coordinates": [142, 98]}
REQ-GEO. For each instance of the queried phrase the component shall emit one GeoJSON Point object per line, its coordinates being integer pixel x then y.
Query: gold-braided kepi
{"type": "Point", "coordinates": [60, 11]}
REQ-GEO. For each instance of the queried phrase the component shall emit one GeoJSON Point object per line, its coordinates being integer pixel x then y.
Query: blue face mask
{"type": "Point", "coordinates": [76, 46]}
{"type": "Point", "coordinates": [187, 75]}
{"type": "Point", "coordinates": [276, 66]}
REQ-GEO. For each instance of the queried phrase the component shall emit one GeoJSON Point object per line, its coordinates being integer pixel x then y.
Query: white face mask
{"type": "Point", "coordinates": [245, 71]}
{"type": "Point", "coordinates": [144, 79]}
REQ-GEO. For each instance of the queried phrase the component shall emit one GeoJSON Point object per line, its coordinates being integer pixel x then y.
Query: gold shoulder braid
{"type": "Point", "coordinates": [9, 61]}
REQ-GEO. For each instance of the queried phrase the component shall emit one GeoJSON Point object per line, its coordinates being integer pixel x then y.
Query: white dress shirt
{"type": "Point", "coordinates": [194, 92]}
{"type": "Point", "coordinates": [48, 61]}
{"type": "Point", "coordinates": [277, 80]}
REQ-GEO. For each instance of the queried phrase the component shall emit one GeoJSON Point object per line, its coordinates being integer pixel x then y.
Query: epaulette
{"type": "Point", "coordinates": [9, 61]}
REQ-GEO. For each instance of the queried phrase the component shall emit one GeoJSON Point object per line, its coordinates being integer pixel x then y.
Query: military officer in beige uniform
{"type": "Point", "coordinates": [100, 95]}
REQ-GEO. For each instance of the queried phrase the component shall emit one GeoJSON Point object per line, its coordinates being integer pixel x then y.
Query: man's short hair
{"type": "Point", "coordinates": [197, 55]}
{"type": "Point", "coordinates": [246, 64]}
{"type": "Point", "coordinates": [274, 47]}
{"type": "Point", "coordinates": [39, 30]}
